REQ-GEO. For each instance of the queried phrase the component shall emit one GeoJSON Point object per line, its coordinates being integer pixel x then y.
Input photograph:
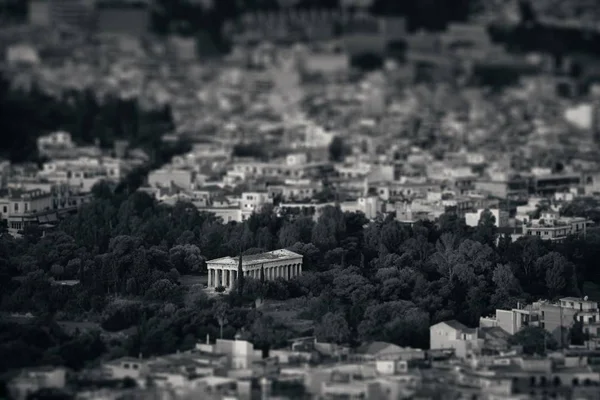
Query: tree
{"type": "Point", "coordinates": [240, 275]}
{"type": "Point", "coordinates": [486, 229]}
{"type": "Point", "coordinates": [337, 149]}
{"type": "Point", "coordinates": [266, 333]}
{"type": "Point", "coordinates": [221, 311]}
{"type": "Point", "coordinates": [399, 322]}
{"type": "Point", "coordinates": [558, 272]}
{"type": "Point", "coordinates": [333, 328]}
{"type": "Point", "coordinates": [163, 290]}
{"type": "Point", "coordinates": [57, 270]}
{"type": "Point", "coordinates": [289, 234]}
{"type": "Point", "coordinates": [187, 258]}
{"type": "Point", "coordinates": [507, 287]}
{"type": "Point", "coordinates": [535, 340]}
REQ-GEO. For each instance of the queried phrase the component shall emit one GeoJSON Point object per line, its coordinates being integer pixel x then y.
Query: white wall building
{"type": "Point", "coordinates": [452, 335]}
{"type": "Point", "coordinates": [501, 217]}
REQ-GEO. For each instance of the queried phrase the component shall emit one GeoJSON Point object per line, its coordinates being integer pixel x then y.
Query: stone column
{"type": "Point", "coordinates": [233, 278]}
{"type": "Point", "coordinates": [209, 284]}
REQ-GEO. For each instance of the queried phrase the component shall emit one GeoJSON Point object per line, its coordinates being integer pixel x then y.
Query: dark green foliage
{"type": "Point", "coordinates": [535, 340]}
{"type": "Point", "coordinates": [24, 116]}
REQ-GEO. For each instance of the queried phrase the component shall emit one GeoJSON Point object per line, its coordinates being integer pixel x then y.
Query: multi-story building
{"type": "Point", "coordinates": [512, 321]}
{"type": "Point", "coordinates": [551, 316]}
{"type": "Point", "coordinates": [280, 170]}
{"type": "Point", "coordinates": [370, 206]}
{"type": "Point", "coordinates": [252, 202]}
{"type": "Point", "coordinates": [404, 189]}
{"type": "Point", "coordinates": [166, 177]}
{"type": "Point", "coordinates": [553, 183]}
{"type": "Point", "coordinates": [21, 208]}
{"type": "Point", "coordinates": [296, 191]}
{"type": "Point", "coordinates": [550, 226]}
{"type": "Point", "coordinates": [452, 335]}
{"type": "Point", "coordinates": [57, 144]}
{"type": "Point", "coordinates": [468, 203]}
{"type": "Point", "coordinates": [504, 186]}
{"type": "Point", "coordinates": [566, 312]}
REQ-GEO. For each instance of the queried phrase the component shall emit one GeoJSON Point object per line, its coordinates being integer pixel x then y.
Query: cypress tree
{"type": "Point", "coordinates": [240, 275]}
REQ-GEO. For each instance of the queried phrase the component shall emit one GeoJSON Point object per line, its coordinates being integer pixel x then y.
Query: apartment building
{"type": "Point", "coordinates": [21, 208]}
{"type": "Point", "coordinates": [56, 144]}
{"type": "Point", "coordinates": [550, 226]}
{"type": "Point", "coordinates": [551, 316]}
{"type": "Point", "coordinates": [168, 176]}
{"type": "Point", "coordinates": [280, 170]}
{"type": "Point", "coordinates": [512, 321]}
{"type": "Point", "coordinates": [553, 183]}
{"type": "Point", "coordinates": [504, 186]}
{"type": "Point", "coordinates": [252, 202]}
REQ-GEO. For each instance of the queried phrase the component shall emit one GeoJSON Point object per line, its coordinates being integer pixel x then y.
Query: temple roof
{"type": "Point", "coordinates": [261, 258]}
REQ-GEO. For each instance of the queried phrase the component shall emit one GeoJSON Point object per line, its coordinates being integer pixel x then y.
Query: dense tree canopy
{"type": "Point", "coordinates": [27, 114]}
{"type": "Point", "coordinates": [362, 281]}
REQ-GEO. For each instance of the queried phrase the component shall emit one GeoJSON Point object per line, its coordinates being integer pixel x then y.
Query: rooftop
{"type": "Point", "coordinates": [281, 254]}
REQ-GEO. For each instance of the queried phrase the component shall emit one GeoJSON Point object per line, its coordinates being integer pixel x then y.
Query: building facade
{"type": "Point", "coordinates": [552, 227]}
{"type": "Point", "coordinates": [452, 335]}
{"type": "Point", "coordinates": [272, 265]}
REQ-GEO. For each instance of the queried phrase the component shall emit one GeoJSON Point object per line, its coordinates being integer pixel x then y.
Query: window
{"type": "Point", "coordinates": [4, 209]}
{"type": "Point", "coordinates": [126, 366]}
{"type": "Point", "coordinates": [16, 206]}
{"type": "Point", "coordinates": [26, 207]}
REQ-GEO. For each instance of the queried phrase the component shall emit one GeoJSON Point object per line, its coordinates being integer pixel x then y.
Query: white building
{"type": "Point", "coordinates": [22, 53]}
{"type": "Point", "coordinates": [500, 217]}
{"type": "Point", "coordinates": [452, 335]}
{"type": "Point", "coordinates": [55, 142]}
{"type": "Point", "coordinates": [126, 367]}
{"type": "Point", "coordinates": [253, 202]}
{"type": "Point", "coordinates": [272, 265]}
{"type": "Point", "coordinates": [550, 226]}
{"type": "Point", "coordinates": [31, 380]}
{"type": "Point", "coordinates": [166, 177]}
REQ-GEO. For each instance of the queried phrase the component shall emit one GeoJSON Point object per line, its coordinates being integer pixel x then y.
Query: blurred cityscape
{"type": "Point", "coordinates": [426, 164]}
